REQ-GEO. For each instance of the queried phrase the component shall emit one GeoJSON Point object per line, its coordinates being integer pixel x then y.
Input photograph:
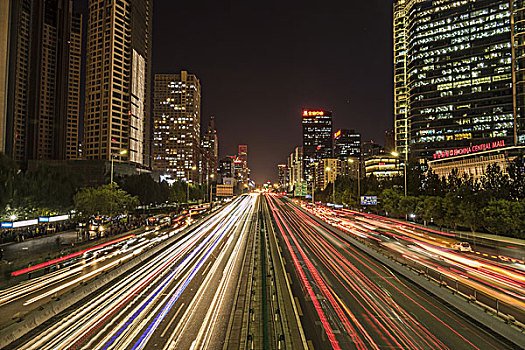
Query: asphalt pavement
{"type": "Point", "coordinates": [350, 301]}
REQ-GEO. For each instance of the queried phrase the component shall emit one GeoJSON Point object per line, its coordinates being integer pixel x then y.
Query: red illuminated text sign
{"type": "Point", "coordinates": [468, 150]}
{"type": "Point", "coordinates": [312, 113]}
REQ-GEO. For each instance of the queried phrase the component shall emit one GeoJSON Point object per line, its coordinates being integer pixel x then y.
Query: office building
{"type": "Point", "coordinates": [347, 143]}
{"type": "Point", "coordinates": [5, 14]}
{"type": "Point", "coordinates": [242, 163]}
{"type": "Point", "coordinates": [283, 177]}
{"type": "Point", "coordinates": [40, 80]}
{"type": "Point", "coordinates": [383, 166]}
{"type": "Point", "coordinates": [464, 78]}
{"type": "Point", "coordinates": [117, 97]}
{"type": "Point", "coordinates": [176, 125]}
{"type": "Point", "coordinates": [295, 165]}
{"type": "Point", "coordinates": [210, 148]}
{"type": "Point", "coordinates": [317, 138]}
{"type": "Point", "coordinates": [401, 120]}
{"type": "Point", "coordinates": [326, 172]}
{"type": "Point", "coordinates": [390, 144]}
{"type": "Point", "coordinates": [371, 148]}
{"type": "Point", "coordinates": [226, 170]}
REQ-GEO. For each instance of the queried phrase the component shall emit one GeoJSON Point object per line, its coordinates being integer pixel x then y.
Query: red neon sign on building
{"type": "Point", "coordinates": [469, 150]}
{"type": "Point", "coordinates": [307, 113]}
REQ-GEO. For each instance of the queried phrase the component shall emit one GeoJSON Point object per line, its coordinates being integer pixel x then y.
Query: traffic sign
{"type": "Point", "coordinates": [368, 200]}
{"type": "Point", "coordinates": [301, 189]}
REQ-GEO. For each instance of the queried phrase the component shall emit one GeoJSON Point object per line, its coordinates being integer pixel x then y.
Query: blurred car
{"type": "Point", "coordinates": [462, 247]}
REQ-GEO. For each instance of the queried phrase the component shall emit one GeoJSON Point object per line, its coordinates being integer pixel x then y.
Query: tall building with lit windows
{"type": "Point", "coordinates": [456, 62]}
{"type": "Point", "coordinates": [317, 138]}
{"type": "Point", "coordinates": [40, 79]}
{"type": "Point", "coordinates": [401, 121]}
{"type": "Point", "coordinates": [176, 125]}
{"type": "Point", "coordinates": [117, 97]}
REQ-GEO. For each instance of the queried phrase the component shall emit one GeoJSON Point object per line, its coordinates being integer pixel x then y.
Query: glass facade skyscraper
{"type": "Point", "coordinates": [460, 69]}
{"type": "Point", "coordinates": [317, 138]}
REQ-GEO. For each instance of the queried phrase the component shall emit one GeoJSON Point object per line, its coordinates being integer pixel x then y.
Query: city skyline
{"type": "Point", "coordinates": [260, 68]}
{"type": "Point", "coordinates": [340, 80]}
{"type": "Point", "coordinates": [285, 175]}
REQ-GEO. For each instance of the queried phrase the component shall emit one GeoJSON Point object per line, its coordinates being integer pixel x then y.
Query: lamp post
{"type": "Point", "coordinates": [312, 174]}
{"type": "Point", "coordinates": [112, 161]}
{"type": "Point", "coordinates": [328, 169]}
{"type": "Point", "coordinates": [188, 187]}
{"type": "Point", "coordinates": [358, 180]}
{"type": "Point", "coordinates": [395, 154]}
{"type": "Point", "coordinates": [211, 190]}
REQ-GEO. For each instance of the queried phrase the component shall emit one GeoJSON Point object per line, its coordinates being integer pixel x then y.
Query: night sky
{"type": "Point", "coordinates": [261, 62]}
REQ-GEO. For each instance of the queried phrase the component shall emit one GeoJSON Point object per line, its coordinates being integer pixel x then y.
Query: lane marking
{"type": "Point", "coordinates": [173, 319]}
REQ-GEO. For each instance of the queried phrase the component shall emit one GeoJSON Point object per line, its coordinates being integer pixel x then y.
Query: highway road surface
{"type": "Point", "coordinates": [178, 299]}
{"type": "Point", "coordinates": [350, 301]}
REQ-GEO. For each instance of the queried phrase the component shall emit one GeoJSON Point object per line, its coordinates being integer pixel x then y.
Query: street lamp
{"type": "Point", "coordinates": [188, 187]}
{"type": "Point", "coordinates": [396, 155]}
{"type": "Point", "coordinates": [211, 190]}
{"type": "Point", "coordinates": [123, 152]}
{"type": "Point", "coordinates": [333, 185]}
{"type": "Point", "coordinates": [358, 179]}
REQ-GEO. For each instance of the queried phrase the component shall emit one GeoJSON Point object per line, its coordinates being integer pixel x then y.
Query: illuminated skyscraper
{"type": "Point", "coordinates": [40, 79]}
{"type": "Point", "coordinates": [462, 67]}
{"type": "Point", "coordinates": [242, 156]}
{"type": "Point", "coordinates": [210, 148]}
{"type": "Point", "coordinates": [117, 105]}
{"type": "Point", "coordinates": [401, 121]}
{"type": "Point", "coordinates": [176, 125]}
{"type": "Point", "coordinates": [317, 138]}
{"type": "Point", "coordinates": [347, 143]}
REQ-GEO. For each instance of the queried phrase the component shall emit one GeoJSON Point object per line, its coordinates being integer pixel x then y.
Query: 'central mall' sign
{"type": "Point", "coordinates": [468, 150]}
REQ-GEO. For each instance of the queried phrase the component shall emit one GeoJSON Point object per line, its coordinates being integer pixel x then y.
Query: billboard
{"type": "Point", "coordinates": [224, 190]}
{"type": "Point", "coordinates": [368, 200]}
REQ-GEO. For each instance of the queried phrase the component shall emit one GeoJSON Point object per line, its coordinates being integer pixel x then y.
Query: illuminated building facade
{"type": "Point", "coordinates": [326, 172]}
{"type": "Point", "coordinates": [317, 138]}
{"type": "Point", "coordinates": [210, 150]}
{"type": "Point", "coordinates": [242, 163]}
{"type": "Point", "coordinates": [117, 98]}
{"type": "Point", "coordinates": [283, 177]}
{"type": "Point", "coordinates": [176, 125]}
{"type": "Point", "coordinates": [295, 168]}
{"type": "Point", "coordinates": [464, 77]}
{"type": "Point", "coordinates": [347, 143]}
{"type": "Point", "coordinates": [40, 73]}
{"type": "Point", "coordinates": [401, 121]}
{"type": "Point", "coordinates": [383, 166]}
{"type": "Point", "coordinates": [475, 160]}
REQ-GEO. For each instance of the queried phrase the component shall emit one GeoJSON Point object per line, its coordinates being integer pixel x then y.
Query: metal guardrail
{"type": "Point", "coordinates": [479, 303]}
{"type": "Point", "coordinates": [508, 312]}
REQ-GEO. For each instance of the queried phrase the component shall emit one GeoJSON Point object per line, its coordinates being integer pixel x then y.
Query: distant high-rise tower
{"type": "Point", "coordinates": [210, 147]}
{"type": "Point", "coordinates": [317, 138]}
{"type": "Point", "coordinates": [242, 156]}
{"type": "Point", "coordinates": [176, 129]}
{"type": "Point", "coordinates": [347, 143]}
{"type": "Point", "coordinates": [40, 68]}
{"type": "Point", "coordinates": [117, 113]}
